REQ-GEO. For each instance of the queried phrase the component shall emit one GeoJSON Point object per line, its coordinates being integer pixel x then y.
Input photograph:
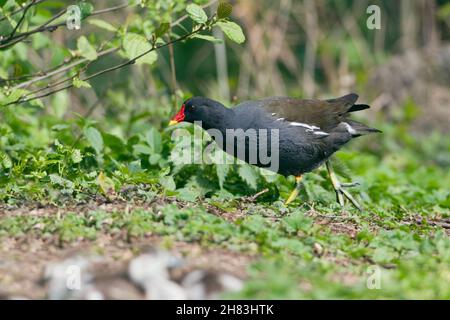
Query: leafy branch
{"type": "Point", "coordinates": [20, 21]}
{"type": "Point", "coordinates": [62, 69]}
{"type": "Point", "coordinates": [118, 66]}
{"type": "Point", "coordinates": [20, 9]}
{"type": "Point", "coordinates": [13, 38]}
{"type": "Point", "coordinates": [135, 46]}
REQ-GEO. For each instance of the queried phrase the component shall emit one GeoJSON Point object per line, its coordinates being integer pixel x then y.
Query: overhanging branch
{"type": "Point", "coordinates": [13, 38]}
{"type": "Point", "coordinates": [99, 73]}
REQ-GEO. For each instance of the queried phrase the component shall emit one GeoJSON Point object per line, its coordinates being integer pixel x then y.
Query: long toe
{"type": "Point", "coordinates": [350, 184]}
{"type": "Point", "coordinates": [351, 199]}
{"type": "Point", "coordinates": [341, 193]}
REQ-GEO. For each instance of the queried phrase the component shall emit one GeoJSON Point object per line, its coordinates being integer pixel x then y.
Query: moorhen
{"type": "Point", "coordinates": [308, 131]}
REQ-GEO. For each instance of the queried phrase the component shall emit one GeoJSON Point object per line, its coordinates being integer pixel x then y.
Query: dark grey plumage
{"type": "Point", "coordinates": [310, 130]}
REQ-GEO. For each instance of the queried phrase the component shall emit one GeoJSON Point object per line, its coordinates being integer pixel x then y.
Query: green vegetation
{"type": "Point", "coordinates": [309, 250]}
{"type": "Point", "coordinates": [109, 143]}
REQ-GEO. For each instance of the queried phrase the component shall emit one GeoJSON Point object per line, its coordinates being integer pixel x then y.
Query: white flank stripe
{"type": "Point", "coordinates": [304, 125]}
{"type": "Point", "coordinates": [321, 133]}
{"type": "Point", "coordinates": [280, 119]}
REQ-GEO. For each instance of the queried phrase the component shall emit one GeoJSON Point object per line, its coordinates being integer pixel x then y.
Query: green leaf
{"type": "Point", "coordinates": [296, 222]}
{"type": "Point", "coordinates": [154, 140]}
{"type": "Point", "coordinates": [95, 139]}
{"type": "Point", "coordinates": [168, 183]}
{"type": "Point", "coordinates": [86, 9]}
{"type": "Point", "coordinates": [222, 172]}
{"type": "Point", "coordinates": [5, 161]}
{"type": "Point", "coordinates": [56, 179]}
{"type": "Point", "coordinates": [232, 30]}
{"type": "Point", "coordinates": [115, 143]}
{"type": "Point", "coordinates": [142, 149]}
{"type": "Point", "coordinates": [135, 45]}
{"type": "Point", "coordinates": [76, 156]}
{"type": "Point", "coordinates": [196, 13]}
{"type": "Point", "coordinates": [224, 10]}
{"type": "Point", "coordinates": [86, 49]}
{"type": "Point", "coordinates": [105, 184]}
{"type": "Point", "coordinates": [207, 38]}
{"type": "Point", "coordinates": [37, 103]}
{"type": "Point", "coordinates": [189, 194]}
{"type": "Point", "coordinates": [2, 3]}
{"type": "Point", "coordinates": [162, 29]}
{"type": "Point", "coordinates": [102, 24]}
{"type": "Point", "coordinates": [154, 158]}
{"type": "Point", "coordinates": [12, 97]}
{"type": "Point", "coordinates": [249, 175]}
{"type": "Point", "coordinates": [78, 83]}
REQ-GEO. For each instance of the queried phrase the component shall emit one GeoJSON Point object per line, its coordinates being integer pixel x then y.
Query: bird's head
{"type": "Point", "coordinates": [197, 109]}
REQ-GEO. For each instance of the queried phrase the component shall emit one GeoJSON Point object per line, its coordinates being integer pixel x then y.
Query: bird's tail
{"type": "Point", "coordinates": [346, 131]}
{"type": "Point", "coordinates": [358, 107]}
{"type": "Point", "coordinates": [357, 129]}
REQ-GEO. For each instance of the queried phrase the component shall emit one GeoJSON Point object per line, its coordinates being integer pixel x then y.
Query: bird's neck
{"type": "Point", "coordinates": [221, 119]}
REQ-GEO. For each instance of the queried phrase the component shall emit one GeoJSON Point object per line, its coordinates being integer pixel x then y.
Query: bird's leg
{"type": "Point", "coordinates": [296, 191]}
{"type": "Point", "coordinates": [339, 188]}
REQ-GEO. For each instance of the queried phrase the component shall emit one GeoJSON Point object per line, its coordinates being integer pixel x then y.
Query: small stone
{"type": "Point", "coordinates": [157, 288]}
{"type": "Point", "coordinates": [200, 284]}
{"type": "Point", "coordinates": [150, 265]}
{"type": "Point", "coordinates": [318, 249]}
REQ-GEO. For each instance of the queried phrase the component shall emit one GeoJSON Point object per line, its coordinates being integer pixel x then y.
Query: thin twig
{"type": "Point", "coordinates": [62, 69]}
{"type": "Point", "coordinates": [256, 195]}
{"type": "Point", "coordinates": [55, 84]}
{"type": "Point", "coordinates": [10, 44]}
{"type": "Point", "coordinates": [77, 74]}
{"type": "Point", "coordinates": [19, 10]}
{"type": "Point", "coordinates": [42, 28]}
{"type": "Point", "coordinates": [11, 35]}
{"type": "Point", "coordinates": [46, 27]}
{"type": "Point", "coordinates": [58, 68]}
{"type": "Point", "coordinates": [118, 7]}
{"type": "Point", "coordinates": [39, 73]}
{"type": "Point", "coordinates": [118, 66]}
{"type": "Point", "coordinates": [61, 13]}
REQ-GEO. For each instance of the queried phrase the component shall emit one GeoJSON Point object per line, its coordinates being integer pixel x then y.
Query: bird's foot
{"type": "Point", "coordinates": [341, 193]}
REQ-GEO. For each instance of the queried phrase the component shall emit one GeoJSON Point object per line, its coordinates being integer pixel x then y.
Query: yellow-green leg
{"type": "Point", "coordinates": [339, 188]}
{"type": "Point", "coordinates": [296, 191]}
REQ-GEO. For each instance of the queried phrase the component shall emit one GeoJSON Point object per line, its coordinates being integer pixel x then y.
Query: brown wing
{"type": "Point", "coordinates": [325, 114]}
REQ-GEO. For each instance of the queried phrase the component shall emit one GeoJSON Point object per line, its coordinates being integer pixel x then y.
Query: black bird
{"type": "Point", "coordinates": [310, 131]}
